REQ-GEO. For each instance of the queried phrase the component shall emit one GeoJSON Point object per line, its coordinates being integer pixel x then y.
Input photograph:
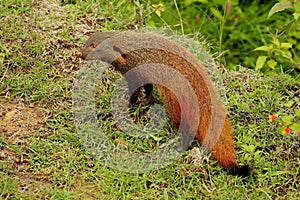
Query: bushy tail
{"type": "Point", "coordinates": [223, 150]}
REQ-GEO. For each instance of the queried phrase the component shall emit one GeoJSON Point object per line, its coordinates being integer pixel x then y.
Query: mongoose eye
{"type": "Point", "coordinates": [79, 54]}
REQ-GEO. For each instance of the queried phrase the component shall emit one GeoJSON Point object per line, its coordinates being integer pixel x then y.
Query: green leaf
{"type": "Point", "coordinates": [247, 157]}
{"type": "Point", "coordinates": [297, 112]}
{"type": "Point", "coordinates": [263, 48]}
{"type": "Point", "coordinates": [287, 54]}
{"type": "Point", "coordinates": [257, 155]}
{"type": "Point", "coordinates": [295, 127]}
{"type": "Point", "coordinates": [280, 7]}
{"type": "Point", "coordinates": [189, 2]}
{"type": "Point", "coordinates": [276, 41]}
{"type": "Point", "coordinates": [297, 7]}
{"type": "Point", "coordinates": [260, 62]}
{"type": "Point", "coordinates": [272, 63]}
{"type": "Point", "coordinates": [279, 173]}
{"type": "Point", "coordinates": [217, 13]}
{"type": "Point", "coordinates": [286, 45]}
{"type": "Point", "coordinates": [235, 2]}
{"type": "Point", "coordinates": [155, 138]}
{"type": "Point", "coordinates": [296, 16]}
{"type": "Point", "coordinates": [289, 103]}
{"type": "Point", "coordinates": [251, 148]}
{"type": "Point", "coordinates": [284, 53]}
{"type": "Point", "coordinates": [2, 56]}
{"type": "Point", "coordinates": [248, 148]}
{"type": "Point", "coordinates": [287, 119]}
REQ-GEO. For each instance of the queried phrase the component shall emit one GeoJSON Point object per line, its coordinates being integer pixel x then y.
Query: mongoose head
{"type": "Point", "coordinates": [88, 51]}
{"type": "Point", "coordinates": [105, 47]}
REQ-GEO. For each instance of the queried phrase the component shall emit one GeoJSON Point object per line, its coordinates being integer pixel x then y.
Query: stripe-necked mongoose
{"type": "Point", "coordinates": [128, 50]}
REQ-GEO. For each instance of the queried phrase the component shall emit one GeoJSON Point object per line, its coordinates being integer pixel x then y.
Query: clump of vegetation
{"type": "Point", "coordinates": [241, 31]}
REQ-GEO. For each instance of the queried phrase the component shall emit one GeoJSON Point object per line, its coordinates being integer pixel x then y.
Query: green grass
{"type": "Point", "coordinates": [42, 157]}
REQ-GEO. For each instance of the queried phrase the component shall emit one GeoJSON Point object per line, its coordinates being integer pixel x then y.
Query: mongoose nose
{"type": "Point", "coordinates": [79, 54]}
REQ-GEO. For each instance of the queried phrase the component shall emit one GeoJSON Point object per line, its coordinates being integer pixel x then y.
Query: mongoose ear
{"type": "Point", "coordinates": [120, 50]}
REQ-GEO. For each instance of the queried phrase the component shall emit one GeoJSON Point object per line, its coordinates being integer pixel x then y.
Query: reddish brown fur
{"type": "Point", "coordinates": [128, 56]}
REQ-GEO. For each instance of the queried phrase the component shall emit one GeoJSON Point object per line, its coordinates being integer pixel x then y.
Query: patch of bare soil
{"type": "Point", "coordinates": [17, 121]}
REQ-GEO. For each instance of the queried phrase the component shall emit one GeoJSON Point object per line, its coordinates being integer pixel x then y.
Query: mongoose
{"type": "Point", "coordinates": [130, 49]}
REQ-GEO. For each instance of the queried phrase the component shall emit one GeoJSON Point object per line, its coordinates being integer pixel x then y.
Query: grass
{"type": "Point", "coordinates": [42, 157]}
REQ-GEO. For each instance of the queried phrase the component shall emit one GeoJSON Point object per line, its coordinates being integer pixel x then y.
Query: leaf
{"type": "Point", "coordinates": [295, 127]}
{"type": "Point", "coordinates": [280, 7]}
{"type": "Point", "coordinates": [296, 16]}
{"type": "Point", "coordinates": [2, 55]}
{"type": "Point", "coordinates": [234, 2]}
{"type": "Point", "coordinates": [284, 53]}
{"type": "Point", "coordinates": [262, 48]}
{"type": "Point", "coordinates": [286, 45]}
{"type": "Point", "coordinates": [189, 2]}
{"type": "Point", "coordinates": [276, 41]}
{"type": "Point", "coordinates": [289, 103]}
{"type": "Point", "coordinates": [260, 62]}
{"type": "Point", "coordinates": [297, 112]}
{"type": "Point", "coordinates": [279, 173]}
{"type": "Point", "coordinates": [247, 157]}
{"type": "Point", "coordinates": [157, 139]}
{"type": "Point", "coordinates": [297, 7]}
{"type": "Point", "coordinates": [272, 64]}
{"type": "Point", "coordinates": [256, 155]}
{"type": "Point", "coordinates": [249, 148]}
{"type": "Point", "coordinates": [287, 54]}
{"type": "Point", "coordinates": [217, 13]}
{"type": "Point", "coordinates": [287, 119]}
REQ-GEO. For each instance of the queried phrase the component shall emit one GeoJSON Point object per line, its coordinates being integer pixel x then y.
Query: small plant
{"type": "Point", "coordinates": [281, 52]}
{"type": "Point", "coordinates": [158, 8]}
{"type": "Point", "coordinates": [251, 152]}
{"type": "Point", "coordinates": [288, 123]}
